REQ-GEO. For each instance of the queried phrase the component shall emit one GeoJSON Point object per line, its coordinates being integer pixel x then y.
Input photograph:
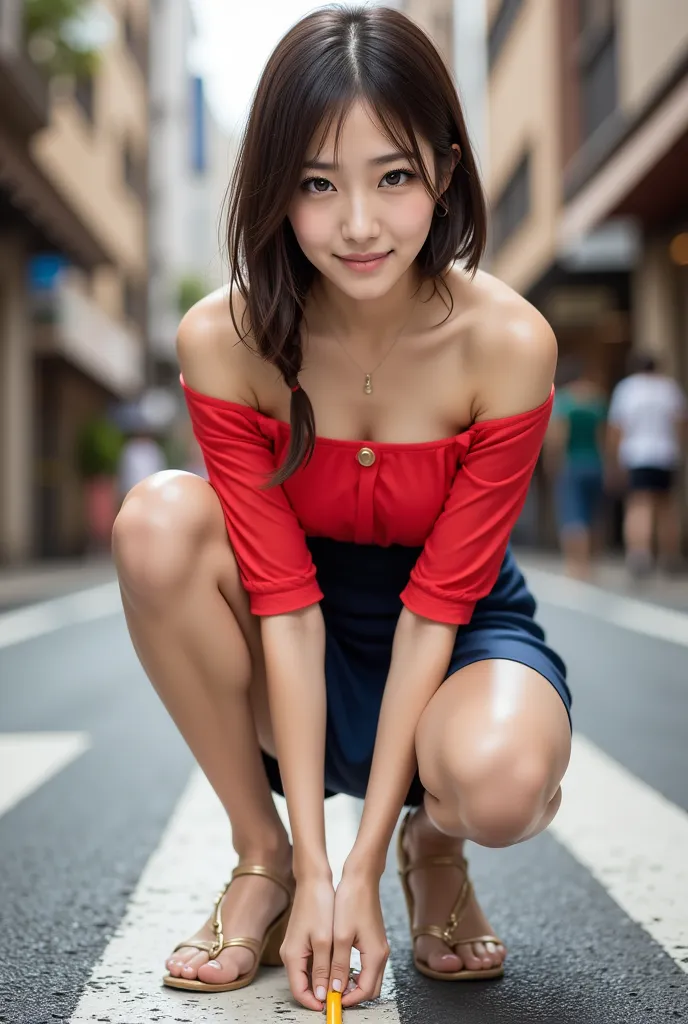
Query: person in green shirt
{"type": "Point", "coordinates": [575, 446]}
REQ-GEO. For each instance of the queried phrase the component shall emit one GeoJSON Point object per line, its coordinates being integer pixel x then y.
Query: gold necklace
{"type": "Point", "coordinates": [368, 377]}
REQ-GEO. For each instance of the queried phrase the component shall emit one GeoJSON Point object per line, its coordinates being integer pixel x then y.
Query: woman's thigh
{"type": "Point", "coordinates": [170, 525]}
{"type": "Point", "coordinates": [496, 732]}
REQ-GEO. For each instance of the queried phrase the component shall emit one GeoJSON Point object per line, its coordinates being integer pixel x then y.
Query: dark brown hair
{"type": "Point", "coordinates": [326, 62]}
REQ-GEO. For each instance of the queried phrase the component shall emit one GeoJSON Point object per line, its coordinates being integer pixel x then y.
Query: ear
{"type": "Point", "coordinates": [455, 159]}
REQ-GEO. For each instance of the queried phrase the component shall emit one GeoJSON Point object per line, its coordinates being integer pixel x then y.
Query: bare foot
{"type": "Point", "coordinates": [250, 905]}
{"type": "Point", "coordinates": [435, 890]}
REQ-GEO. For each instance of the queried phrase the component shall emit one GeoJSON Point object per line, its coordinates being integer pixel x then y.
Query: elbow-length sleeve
{"type": "Point", "coordinates": [463, 554]}
{"type": "Point", "coordinates": [269, 543]}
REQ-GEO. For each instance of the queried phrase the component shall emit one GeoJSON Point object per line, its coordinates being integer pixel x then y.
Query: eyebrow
{"type": "Point", "coordinates": [386, 158]}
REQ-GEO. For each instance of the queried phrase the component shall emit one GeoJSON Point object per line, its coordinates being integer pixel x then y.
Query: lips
{"type": "Point", "coordinates": [364, 257]}
{"type": "Point", "coordinates": [364, 262]}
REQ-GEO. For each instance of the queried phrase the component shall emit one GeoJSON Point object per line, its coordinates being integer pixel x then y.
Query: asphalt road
{"type": "Point", "coordinates": [104, 836]}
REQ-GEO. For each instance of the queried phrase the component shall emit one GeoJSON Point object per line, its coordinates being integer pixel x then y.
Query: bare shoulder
{"type": "Point", "coordinates": [513, 350]}
{"type": "Point", "coordinates": [212, 355]}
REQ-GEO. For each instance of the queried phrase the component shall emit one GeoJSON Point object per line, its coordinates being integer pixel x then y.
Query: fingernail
{"type": "Point", "coordinates": [337, 985]}
{"type": "Point", "coordinates": [350, 987]}
{"type": "Point", "coordinates": [215, 963]}
{"type": "Point", "coordinates": [320, 993]}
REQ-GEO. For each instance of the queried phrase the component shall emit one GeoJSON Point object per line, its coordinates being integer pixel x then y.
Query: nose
{"type": "Point", "coordinates": [360, 223]}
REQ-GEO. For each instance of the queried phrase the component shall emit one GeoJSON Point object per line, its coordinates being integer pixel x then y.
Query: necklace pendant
{"type": "Point", "coordinates": [368, 386]}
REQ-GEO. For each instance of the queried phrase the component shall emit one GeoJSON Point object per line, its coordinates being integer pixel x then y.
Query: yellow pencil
{"type": "Point", "coordinates": [334, 1008]}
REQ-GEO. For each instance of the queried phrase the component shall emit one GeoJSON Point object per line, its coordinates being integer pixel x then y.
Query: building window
{"type": "Point", "coordinates": [134, 302]}
{"type": "Point", "coordinates": [513, 205]}
{"type": "Point", "coordinates": [84, 93]}
{"type": "Point", "coordinates": [137, 42]}
{"type": "Point", "coordinates": [197, 127]}
{"type": "Point", "coordinates": [134, 172]}
{"type": "Point", "coordinates": [501, 27]}
{"type": "Point", "coordinates": [598, 84]}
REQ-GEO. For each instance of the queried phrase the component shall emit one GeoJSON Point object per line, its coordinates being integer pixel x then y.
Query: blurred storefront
{"type": "Point", "coordinates": [73, 254]}
{"type": "Point", "coordinates": [587, 182]}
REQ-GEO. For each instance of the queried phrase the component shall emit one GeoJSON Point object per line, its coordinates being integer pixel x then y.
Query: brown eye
{"type": "Point", "coordinates": [321, 184]}
{"type": "Point", "coordinates": [398, 177]}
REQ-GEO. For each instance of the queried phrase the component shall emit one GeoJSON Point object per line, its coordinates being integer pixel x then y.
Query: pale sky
{"type": "Point", "coordinates": [236, 38]}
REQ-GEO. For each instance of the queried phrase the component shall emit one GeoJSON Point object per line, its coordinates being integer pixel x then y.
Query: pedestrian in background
{"type": "Point", "coordinates": [141, 456]}
{"type": "Point", "coordinates": [648, 428]}
{"type": "Point", "coordinates": [575, 444]}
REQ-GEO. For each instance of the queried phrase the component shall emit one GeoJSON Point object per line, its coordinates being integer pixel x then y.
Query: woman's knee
{"type": "Point", "coordinates": [495, 795]}
{"type": "Point", "coordinates": [161, 529]}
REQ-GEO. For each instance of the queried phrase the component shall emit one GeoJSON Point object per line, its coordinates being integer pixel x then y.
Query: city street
{"type": "Point", "coordinates": [112, 845]}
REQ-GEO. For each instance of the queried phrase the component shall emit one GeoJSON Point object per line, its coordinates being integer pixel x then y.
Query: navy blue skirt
{"type": "Point", "coordinates": [361, 585]}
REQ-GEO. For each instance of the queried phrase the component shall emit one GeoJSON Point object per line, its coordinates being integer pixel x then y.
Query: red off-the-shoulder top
{"type": "Point", "coordinates": [458, 498]}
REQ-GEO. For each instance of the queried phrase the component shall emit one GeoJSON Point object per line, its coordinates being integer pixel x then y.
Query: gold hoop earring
{"type": "Point", "coordinates": [445, 210]}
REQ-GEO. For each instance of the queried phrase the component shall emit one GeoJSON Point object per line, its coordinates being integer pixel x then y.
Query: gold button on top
{"type": "Point", "coordinates": [366, 456]}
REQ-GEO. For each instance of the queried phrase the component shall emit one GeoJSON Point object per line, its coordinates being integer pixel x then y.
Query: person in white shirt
{"type": "Point", "coordinates": [141, 456]}
{"type": "Point", "coordinates": [648, 428]}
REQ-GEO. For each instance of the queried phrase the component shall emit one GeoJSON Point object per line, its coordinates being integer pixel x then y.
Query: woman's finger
{"type": "Point", "coordinates": [370, 979]}
{"type": "Point", "coordinates": [299, 979]}
{"type": "Point", "coordinates": [322, 949]}
{"type": "Point", "coordinates": [341, 961]}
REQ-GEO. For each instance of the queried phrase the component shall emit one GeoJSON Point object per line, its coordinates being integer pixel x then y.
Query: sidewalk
{"type": "Point", "coordinates": [38, 581]}
{"type": "Point", "coordinates": [610, 574]}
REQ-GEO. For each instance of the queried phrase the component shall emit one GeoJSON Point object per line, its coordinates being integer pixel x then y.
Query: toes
{"type": "Point", "coordinates": [177, 961]}
{"type": "Point", "coordinates": [229, 966]}
{"type": "Point", "coordinates": [438, 956]}
{"type": "Point", "coordinates": [444, 962]}
{"type": "Point", "coordinates": [472, 961]}
{"type": "Point", "coordinates": [190, 968]}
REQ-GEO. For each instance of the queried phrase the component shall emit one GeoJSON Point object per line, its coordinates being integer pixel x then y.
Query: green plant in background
{"type": "Point", "coordinates": [99, 445]}
{"type": "Point", "coordinates": [190, 290]}
{"type": "Point", "coordinates": [56, 36]}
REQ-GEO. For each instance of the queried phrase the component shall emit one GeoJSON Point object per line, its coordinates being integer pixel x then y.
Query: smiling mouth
{"type": "Point", "coordinates": [368, 257]}
{"type": "Point", "coordinates": [364, 263]}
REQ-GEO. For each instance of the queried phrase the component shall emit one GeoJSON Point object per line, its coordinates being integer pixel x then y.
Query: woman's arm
{"type": "Point", "coordinates": [294, 648]}
{"type": "Point", "coordinates": [420, 656]}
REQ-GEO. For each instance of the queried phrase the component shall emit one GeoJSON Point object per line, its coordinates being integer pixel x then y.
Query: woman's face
{"type": "Point", "coordinates": [363, 221]}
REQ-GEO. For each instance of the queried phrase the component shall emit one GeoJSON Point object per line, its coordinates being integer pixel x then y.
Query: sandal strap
{"type": "Point", "coordinates": [204, 945]}
{"type": "Point", "coordinates": [448, 933]}
{"type": "Point", "coordinates": [430, 861]}
{"type": "Point", "coordinates": [213, 949]}
{"type": "Point", "coordinates": [287, 884]}
{"type": "Point", "coordinates": [247, 943]}
{"type": "Point", "coordinates": [480, 938]}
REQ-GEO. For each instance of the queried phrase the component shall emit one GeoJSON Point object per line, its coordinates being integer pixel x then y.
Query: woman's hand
{"type": "Point", "coordinates": [358, 922]}
{"type": "Point", "coordinates": [307, 946]}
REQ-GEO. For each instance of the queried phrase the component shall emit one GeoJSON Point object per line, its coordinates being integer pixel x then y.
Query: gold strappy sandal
{"type": "Point", "coordinates": [265, 952]}
{"type": "Point", "coordinates": [448, 933]}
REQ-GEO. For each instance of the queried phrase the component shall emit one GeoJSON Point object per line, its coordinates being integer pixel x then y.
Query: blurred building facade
{"type": "Point", "coordinates": [190, 165]}
{"type": "Point", "coordinates": [587, 175]}
{"type": "Point", "coordinates": [588, 149]}
{"type": "Point", "coordinates": [73, 266]}
{"type": "Point", "coordinates": [436, 17]}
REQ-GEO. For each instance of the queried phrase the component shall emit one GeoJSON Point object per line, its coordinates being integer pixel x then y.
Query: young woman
{"type": "Point", "coordinates": [337, 610]}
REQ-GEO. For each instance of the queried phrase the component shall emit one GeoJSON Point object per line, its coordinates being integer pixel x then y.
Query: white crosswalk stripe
{"type": "Point", "coordinates": [28, 760]}
{"type": "Point", "coordinates": [632, 840]}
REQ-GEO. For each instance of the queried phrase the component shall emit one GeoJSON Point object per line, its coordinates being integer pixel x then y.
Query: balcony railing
{"type": "Point", "coordinates": [23, 89]}
{"type": "Point", "coordinates": [70, 324]}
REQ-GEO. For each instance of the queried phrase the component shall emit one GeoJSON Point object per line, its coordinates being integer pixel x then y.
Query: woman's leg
{"type": "Point", "coordinates": [189, 621]}
{"type": "Point", "coordinates": [668, 519]}
{"type": "Point", "coordinates": [574, 535]}
{"type": "Point", "coordinates": [492, 745]}
{"type": "Point", "coordinates": [637, 531]}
